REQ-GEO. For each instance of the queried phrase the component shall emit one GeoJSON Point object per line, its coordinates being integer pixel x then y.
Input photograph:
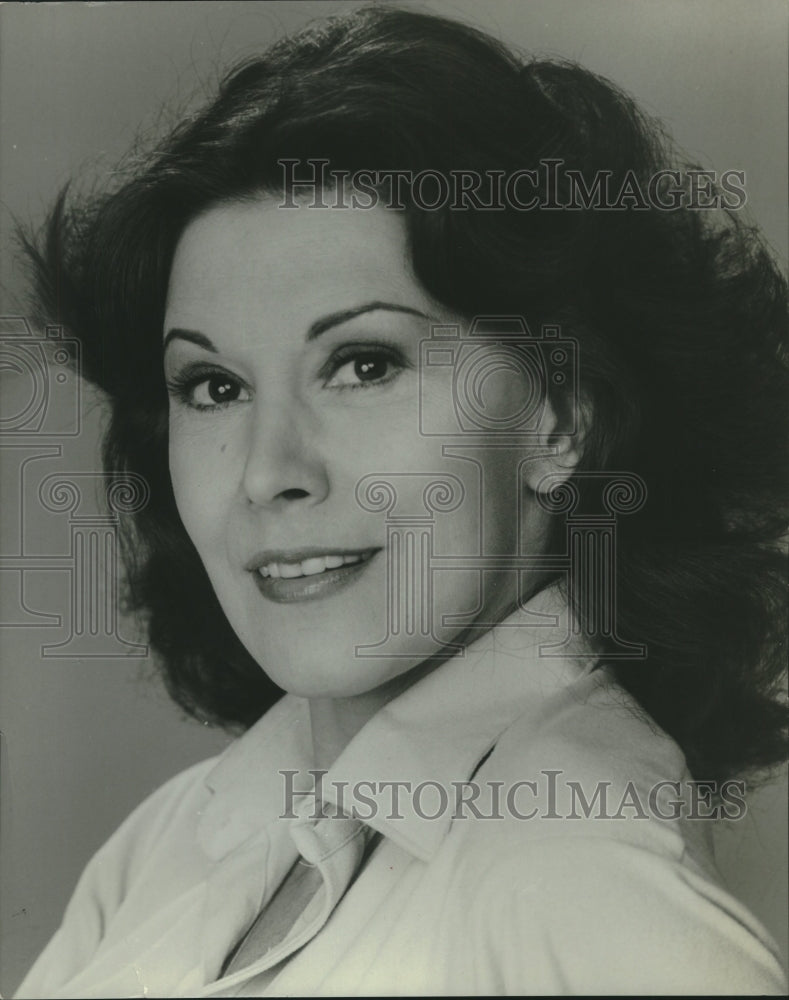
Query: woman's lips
{"type": "Point", "coordinates": [287, 580]}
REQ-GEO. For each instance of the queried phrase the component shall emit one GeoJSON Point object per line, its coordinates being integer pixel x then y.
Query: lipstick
{"type": "Point", "coordinates": [287, 577]}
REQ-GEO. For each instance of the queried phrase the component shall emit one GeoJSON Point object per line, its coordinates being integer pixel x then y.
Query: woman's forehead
{"type": "Point", "coordinates": [255, 254]}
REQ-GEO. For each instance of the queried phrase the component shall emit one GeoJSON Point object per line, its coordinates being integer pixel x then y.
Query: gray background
{"type": "Point", "coordinates": [84, 740]}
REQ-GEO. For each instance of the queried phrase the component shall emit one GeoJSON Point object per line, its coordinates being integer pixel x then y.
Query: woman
{"type": "Point", "coordinates": [486, 775]}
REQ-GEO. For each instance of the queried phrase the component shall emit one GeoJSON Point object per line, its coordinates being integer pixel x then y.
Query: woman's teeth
{"type": "Point", "coordinates": [308, 567]}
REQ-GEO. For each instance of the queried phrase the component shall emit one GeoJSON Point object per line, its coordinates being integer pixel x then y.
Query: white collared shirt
{"type": "Point", "coordinates": [577, 868]}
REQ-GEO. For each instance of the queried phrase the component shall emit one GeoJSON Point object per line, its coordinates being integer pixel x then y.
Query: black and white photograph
{"type": "Point", "coordinates": [394, 494]}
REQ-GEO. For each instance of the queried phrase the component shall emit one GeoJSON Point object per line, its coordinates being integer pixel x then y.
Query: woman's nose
{"type": "Point", "coordinates": [283, 464]}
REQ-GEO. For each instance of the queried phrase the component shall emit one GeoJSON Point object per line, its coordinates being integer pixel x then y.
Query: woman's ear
{"type": "Point", "coordinates": [562, 432]}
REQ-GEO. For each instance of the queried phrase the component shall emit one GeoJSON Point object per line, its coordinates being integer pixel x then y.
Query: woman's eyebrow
{"type": "Point", "coordinates": [335, 319]}
{"type": "Point", "coordinates": [192, 336]}
{"type": "Point", "coordinates": [315, 330]}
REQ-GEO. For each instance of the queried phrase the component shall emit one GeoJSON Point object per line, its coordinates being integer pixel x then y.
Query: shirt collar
{"type": "Point", "coordinates": [435, 732]}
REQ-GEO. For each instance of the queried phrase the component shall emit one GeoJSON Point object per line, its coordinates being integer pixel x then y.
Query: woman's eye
{"type": "Point", "coordinates": [363, 368]}
{"type": "Point", "coordinates": [216, 390]}
{"type": "Point", "coordinates": [208, 391]}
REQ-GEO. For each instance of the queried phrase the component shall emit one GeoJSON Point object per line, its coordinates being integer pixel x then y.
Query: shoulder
{"type": "Point", "coordinates": [170, 811]}
{"type": "Point", "coordinates": [583, 914]}
{"type": "Point", "coordinates": [190, 811]}
{"type": "Point", "coordinates": [594, 728]}
{"type": "Point", "coordinates": [594, 764]}
{"type": "Point", "coordinates": [594, 876]}
{"type": "Point", "coordinates": [109, 875]}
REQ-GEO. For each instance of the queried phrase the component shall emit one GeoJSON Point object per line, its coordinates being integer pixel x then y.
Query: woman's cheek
{"type": "Point", "coordinates": [201, 478]}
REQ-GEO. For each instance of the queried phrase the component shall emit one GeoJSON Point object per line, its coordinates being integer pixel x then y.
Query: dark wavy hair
{"type": "Point", "coordinates": [680, 316]}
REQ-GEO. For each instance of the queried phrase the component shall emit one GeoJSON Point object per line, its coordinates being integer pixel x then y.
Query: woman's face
{"type": "Point", "coordinates": [293, 364]}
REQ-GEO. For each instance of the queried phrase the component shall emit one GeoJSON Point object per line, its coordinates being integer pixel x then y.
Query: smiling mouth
{"type": "Point", "coordinates": [307, 575]}
{"type": "Point", "coordinates": [313, 565]}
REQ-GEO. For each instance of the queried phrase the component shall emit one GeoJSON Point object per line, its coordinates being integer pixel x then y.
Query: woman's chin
{"type": "Point", "coordinates": [353, 676]}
